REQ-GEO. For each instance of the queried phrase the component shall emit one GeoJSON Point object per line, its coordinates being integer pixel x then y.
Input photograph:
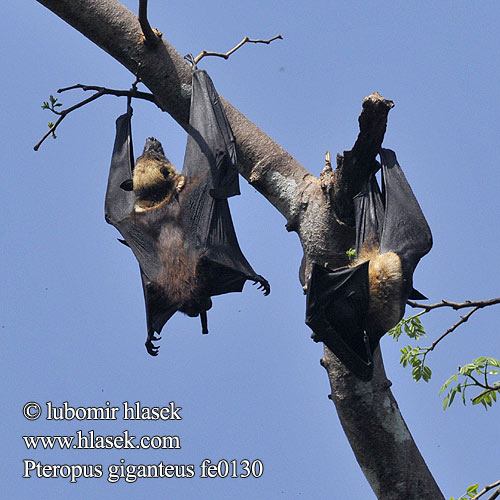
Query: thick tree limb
{"type": "Point", "coordinates": [316, 209]}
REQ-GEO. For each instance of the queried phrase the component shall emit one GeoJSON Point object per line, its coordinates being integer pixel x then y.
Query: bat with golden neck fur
{"type": "Point", "coordinates": [351, 308]}
{"type": "Point", "coordinates": [178, 225]}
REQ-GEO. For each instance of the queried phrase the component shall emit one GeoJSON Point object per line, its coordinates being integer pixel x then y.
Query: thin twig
{"type": "Point", "coordinates": [455, 305]}
{"type": "Point", "coordinates": [488, 488]}
{"type": "Point", "coordinates": [151, 39]}
{"type": "Point", "coordinates": [99, 91]}
{"type": "Point", "coordinates": [475, 304]}
{"type": "Point", "coordinates": [462, 320]}
{"type": "Point", "coordinates": [136, 94]}
{"type": "Point", "coordinates": [204, 53]}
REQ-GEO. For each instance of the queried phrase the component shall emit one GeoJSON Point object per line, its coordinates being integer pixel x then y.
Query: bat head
{"type": "Point", "coordinates": [153, 147]}
{"type": "Point", "coordinates": [155, 179]}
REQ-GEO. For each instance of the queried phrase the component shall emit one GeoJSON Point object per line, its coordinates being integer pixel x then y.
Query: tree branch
{"type": "Point", "coordinates": [151, 40]}
{"type": "Point", "coordinates": [226, 55]}
{"type": "Point", "coordinates": [136, 94]}
{"type": "Point", "coordinates": [358, 163]}
{"type": "Point", "coordinates": [475, 304]}
{"type": "Point", "coordinates": [456, 305]}
{"type": "Point", "coordinates": [100, 91]}
{"type": "Point", "coordinates": [462, 320]}
{"type": "Point", "coordinates": [488, 488]}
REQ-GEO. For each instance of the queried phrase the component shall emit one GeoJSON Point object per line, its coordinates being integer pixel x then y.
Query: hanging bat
{"type": "Point", "coordinates": [351, 308]}
{"type": "Point", "coordinates": [178, 225]}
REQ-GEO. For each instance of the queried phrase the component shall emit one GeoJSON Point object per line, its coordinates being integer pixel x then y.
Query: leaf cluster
{"type": "Point", "coordinates": [470, 493]}
{"type": "Point", "coordinates": [479, 368]}
{"type": "Point", "coordinates": [51, 105]}
{"type": "Point", "coordinates": [412, 327]}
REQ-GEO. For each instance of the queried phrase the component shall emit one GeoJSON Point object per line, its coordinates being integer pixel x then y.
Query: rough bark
{"type": "Point", "coordinates": [319, 210]}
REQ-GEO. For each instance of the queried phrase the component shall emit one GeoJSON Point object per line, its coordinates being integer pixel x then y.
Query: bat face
{"type": "Point", "coordinates": [155, 179]}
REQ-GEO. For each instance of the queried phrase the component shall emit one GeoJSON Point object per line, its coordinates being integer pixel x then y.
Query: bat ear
{"type": "Point", "coordinates": [416, 295]}
{"type": "Point", "coordinates": [127, 185]}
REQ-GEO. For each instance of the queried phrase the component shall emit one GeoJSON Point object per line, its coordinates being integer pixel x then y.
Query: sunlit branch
{"type": "Point", "coordinates": [226, 55]}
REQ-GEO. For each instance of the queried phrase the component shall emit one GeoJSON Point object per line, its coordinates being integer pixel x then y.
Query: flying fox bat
{"type": "Point", "coordinates": [350, 308]}
{"type": "Point", "coordinates": [178, 225]}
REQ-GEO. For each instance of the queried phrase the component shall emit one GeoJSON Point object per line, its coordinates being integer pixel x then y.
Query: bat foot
{"type": "Point", "coordinates": [263, 284]}
{"type": "Point", "coordinates": [151, 348]}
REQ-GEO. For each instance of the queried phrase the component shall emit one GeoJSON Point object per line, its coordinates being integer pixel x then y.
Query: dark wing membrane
{"type": "Point", "coordinates": [369, 213]}
{"type": "Point", "coordinates": [158, 312]}
{"type": "Point", "coordinates": [120, 202]}
{"type": "Point", "coordinates": [406, 231]}
{"type": "Point", "coordinates": [209, 227]}
{"type": "Point", "coordinates": [211, 148]}
{"type": "Point", "coordinates": [143, 245]}
{"type": "Point", "coordinates": [229, 268]}
{"type": "Point", "coordinates": [210, 165]}
{"type": "Point", "coordinates": [337, 302]}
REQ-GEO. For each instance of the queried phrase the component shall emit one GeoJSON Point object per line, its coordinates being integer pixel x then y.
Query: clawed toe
{"type": "Point", "coordinates": [263, 284]}
{"type": "Point", "coordinates": [151, 348]}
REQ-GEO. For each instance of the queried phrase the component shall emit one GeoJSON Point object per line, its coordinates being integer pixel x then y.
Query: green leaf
{"type": "Point", "coordinates": [473, 488]}
{"type": "Point", "coordinates": [445, 402]}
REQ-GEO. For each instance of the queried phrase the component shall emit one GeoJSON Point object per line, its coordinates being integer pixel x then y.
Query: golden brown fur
{"type": "Point", "coordinates": [155, 181]}
{"type": "Point", "coordinates": [386, 288]}
{"type": "Point", "coordinates": [180, 267]}
{"type": "Point", "coordinates": [180, 279]}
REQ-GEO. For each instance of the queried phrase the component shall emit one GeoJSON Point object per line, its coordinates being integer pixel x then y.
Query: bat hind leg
{"type": "Point", "coordinates": [150, 347]}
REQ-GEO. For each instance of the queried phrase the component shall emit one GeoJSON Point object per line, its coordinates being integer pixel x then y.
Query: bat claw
{"type": "Point", "coordinates": [151, 348]}
{"type": "Point", "coordinates": [263, 284]}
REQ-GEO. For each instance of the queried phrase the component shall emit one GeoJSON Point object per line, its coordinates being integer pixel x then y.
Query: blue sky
{"type": "Point", "coordinates": [73, 318]}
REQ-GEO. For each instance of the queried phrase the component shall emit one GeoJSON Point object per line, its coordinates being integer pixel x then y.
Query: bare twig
{"type": "Point", "coordinates": [136, 94]}
{"type": "Point", "coordinates": [455, 305]}
{"type": "Point", "coordinates": [151, 38]}
{"type": "Point", "coordinates": [99, 91]}
{"type": "Point", "coordinates": [462, 320]}
{"type": "Point", "coordinates": [475, 304]}
{"type": "Point", "coordinates": [204, 53]}
{"type": "Point", "coordinates": [488, 488]}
